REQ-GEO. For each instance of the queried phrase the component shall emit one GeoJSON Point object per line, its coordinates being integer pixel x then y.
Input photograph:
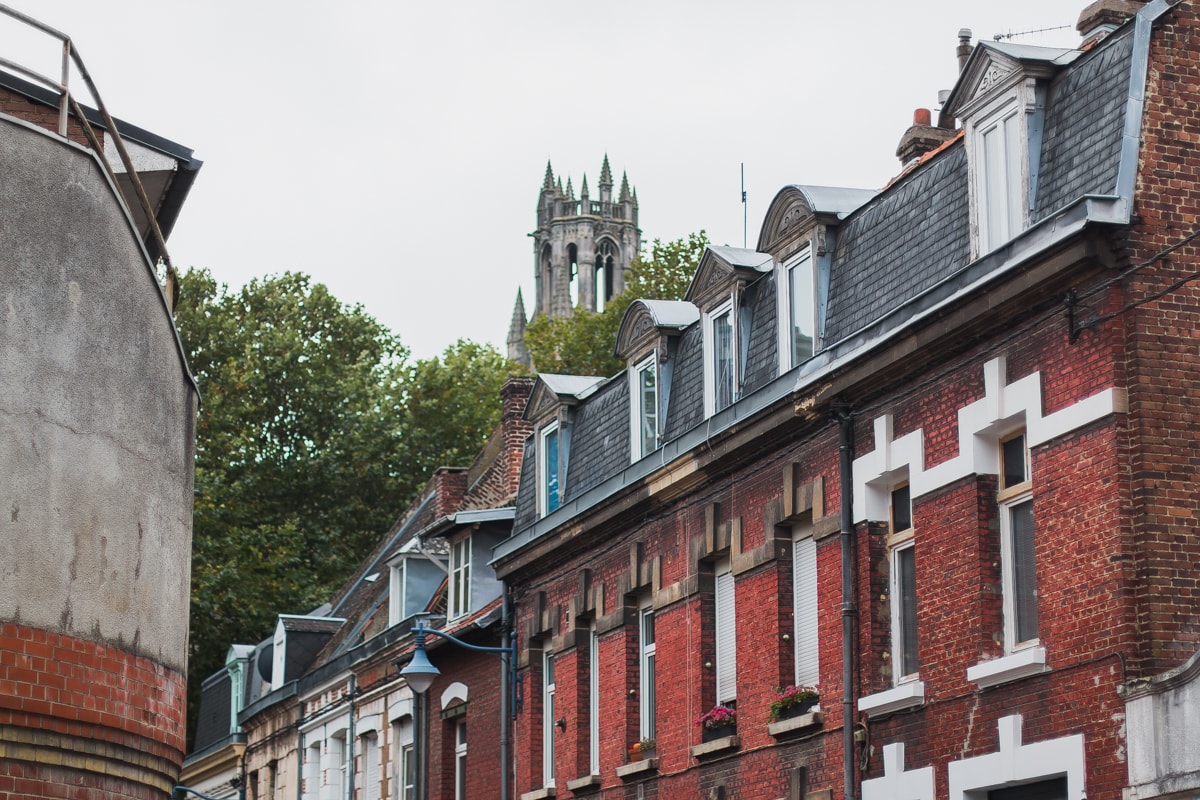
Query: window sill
{"type": "Point", "coordinates": [586, 783]}
{"type": "Point", "coordinates": [784, 727]}
{"type": "Point", "coordinates": [906, 695]}
{"type": "Point", "coordinates": [635, 768]}
{"type": "Point", "coordinates": [716, 746]}
{"type": "Point", "coordinates": [539, 794]}
{"type": "Point", "coordinates": [1021, 664]}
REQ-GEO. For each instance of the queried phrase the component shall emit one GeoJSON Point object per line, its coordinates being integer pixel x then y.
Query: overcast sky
{"type": "Point", "coordinates": [394, 150]}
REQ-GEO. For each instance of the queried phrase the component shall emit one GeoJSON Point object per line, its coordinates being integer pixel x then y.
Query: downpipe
{"type": "Point", "coordinates": [845, 420]}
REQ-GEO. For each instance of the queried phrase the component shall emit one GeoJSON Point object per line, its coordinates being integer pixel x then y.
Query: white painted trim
{"type": "Point", "coordinates": [401, 708]}
{"type": "Point", "coordinates": [1002, 409]}
{"type": "Point", "coordinates": [916, 784]}
{"type": "Point", "coordinates": [455, 691]}
{"type": "Point", "coordinates": [906, 695]}
{"type": "Point", "coordinates": [367, 724]}
{"type": "Point", "coordinates": [1021, 664]}
{"type": "Point", "coordinates": [1016, 763]}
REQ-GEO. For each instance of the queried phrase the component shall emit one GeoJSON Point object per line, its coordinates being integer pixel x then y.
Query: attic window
{"type": "Point", "coordinates": [644, 386]}
{"type": "Point", "coordinates": [548, 471]}
{"type": "Point", "coordinates": [798, 311]}
{"type": "Point", "coordinates": [1000, 168]}
{"type": "Point", "coordinates": [720, 369]}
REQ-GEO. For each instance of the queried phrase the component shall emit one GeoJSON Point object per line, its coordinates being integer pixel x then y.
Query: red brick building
{"type": "Point", "coordinates": [929, 449]}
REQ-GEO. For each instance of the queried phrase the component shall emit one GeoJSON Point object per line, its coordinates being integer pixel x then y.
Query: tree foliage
{"type": "Point", "coordinates": [315, 431]}
{"type": "Point", "coordinates": [582, 344]}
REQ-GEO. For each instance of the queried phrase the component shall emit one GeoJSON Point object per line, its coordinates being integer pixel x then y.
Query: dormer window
{"type": "Point", "coordinates": [645, 407]}
{"type": "Point", "coordinates": [1000, 98]}
{"type": "Point", "coordinates": [799, 311]}
{"type": "Point", "coordinates": [548, 472]}
{"type": "Point", "coordinates": [720, 379]}
{"type": "Point", "coordinates": [459, 601]}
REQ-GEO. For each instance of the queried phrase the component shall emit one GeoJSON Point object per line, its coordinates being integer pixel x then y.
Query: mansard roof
{"type": "Point", "coordinates": [553, 390]}
{"type": "Point", "coordinates": [995, 65]}
{"type": "Point", "coordinates": [886, 263]}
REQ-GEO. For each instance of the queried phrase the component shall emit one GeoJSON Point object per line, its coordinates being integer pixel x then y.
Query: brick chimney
{"type": "Point", "coordinates": [1103, 17]}
{"type": "Point", "coordinates": [449, 486]}
{"type": "Point", "coordinates": [513, 397]}
{"type": "Point", "coordinates": [923, 136]}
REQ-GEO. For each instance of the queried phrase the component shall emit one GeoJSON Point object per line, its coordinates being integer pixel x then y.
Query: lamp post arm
{"type": "Point", "coordinates": [482, 648]}
{"type": "Point", "coordinates": [179, 788]}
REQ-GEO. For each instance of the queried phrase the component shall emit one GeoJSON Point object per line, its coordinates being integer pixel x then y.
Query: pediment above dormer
{"type": "Point", "coordinates": [993, 68]}
{"type": "Point", "coordinates": [796, 212]}
{"type": "Point", "coordinates": [722, 268]}
{"type": "Point", "coordinates": [554, 392]}
{"type": "Point", "coordinates": [647, 321]}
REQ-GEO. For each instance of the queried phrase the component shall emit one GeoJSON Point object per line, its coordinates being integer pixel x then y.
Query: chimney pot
{"type": "Point", "coordinates": [921, 116]}
{"type": "Point", "coordinates": [964, 47]}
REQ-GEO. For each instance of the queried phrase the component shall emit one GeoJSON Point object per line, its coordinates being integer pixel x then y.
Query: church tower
{"type": "Point", "coordinates": [582, 248]}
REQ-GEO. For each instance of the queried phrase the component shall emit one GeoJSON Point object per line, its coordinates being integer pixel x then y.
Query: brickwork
{"type": "Point", "coordinates": [85, 719]}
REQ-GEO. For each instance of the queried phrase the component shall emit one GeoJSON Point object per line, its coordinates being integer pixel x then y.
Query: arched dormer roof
{"type": "Point", "coordinates": [552, 391]}
{"type": "Point", "coordinates": [720, 267]}
{"type": "Point", "coordinates": [646, 320]}
{"type": "Point", "coordinates": [795, 207]}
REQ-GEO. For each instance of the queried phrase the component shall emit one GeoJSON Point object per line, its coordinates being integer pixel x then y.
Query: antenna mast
{"type": "Point", "coordinates": [744, 204]}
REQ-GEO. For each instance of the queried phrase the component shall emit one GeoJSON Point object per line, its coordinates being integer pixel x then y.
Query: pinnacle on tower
{"type": "Point", "coordinates": [548, 181]}
{"type": "Point", "coordinates": [624, 188]}
{"type": "Point", "coordinates": [583, 190]}
{"type": "Point", "coordinates": [516, 333]}
{"type": "Point", "coordinates": [606, 173]}
{"type": "Point", "coordinates": [560, 189]}
{"type": "Point", "coordinates": [570, 190]}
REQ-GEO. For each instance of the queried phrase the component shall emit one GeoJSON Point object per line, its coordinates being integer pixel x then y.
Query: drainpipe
{"type": "Point", "coordinates": [350, 740]}
{"type": "Point", "coordinates": [845, 469]}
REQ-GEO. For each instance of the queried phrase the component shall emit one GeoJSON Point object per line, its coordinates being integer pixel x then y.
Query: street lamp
{"type": "Point", "coordinates": [420, 673]}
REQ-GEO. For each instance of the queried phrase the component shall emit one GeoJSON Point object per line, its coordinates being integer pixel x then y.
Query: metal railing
{"type": "Point", "coordinates": [68, 106]}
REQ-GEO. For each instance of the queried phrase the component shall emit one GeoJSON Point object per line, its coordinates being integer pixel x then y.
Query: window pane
{"type": "Point", "coordinates": [901, 509]}
{"type": "Point", "coordinates": [550, 443]}
{"type": "Point", "coordinates": [1012, 454]}
{"type": "Point", "coordinates": [995, 197]}
{"type": "Point", "coordinates": [905, 645]}
{"type": "Point", "coordinates": [723, 368]}
{"type": "Point", "coordinates": [646, 682]}
{"type": "Point", "coordinates": [648, 408]}
{"type": "Point", "coordinates": [803, 311]}
{"type": "Point", "coordinates": [1024, 573]}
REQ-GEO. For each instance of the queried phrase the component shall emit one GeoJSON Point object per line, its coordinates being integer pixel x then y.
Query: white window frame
{"type": "Point", "coordinates": [371, 764]}
{"type": "Point", "coordinates": [1009, 498]}
{"type": "Point", "coordinates": [638, 446]}
{"type": "Point", "coordinates": [901, 545]}
{"type": "Point", "coordinates": [548, 697]}
{"type": "Point", "coordinates": [727, 308]}
{"type": "Point", "coordinates": [1001, 190]}
{"type": "Point", "coordinates": [404, 784]}
{"type": "Point", "coordinates": [544, 468]}
{"type": "Point", "coordinates": [460, 759]}
{"type": "Point", "coordinates": [800, 266]}
{"type": "Point", "coordinates": [458, 602]}
{"type": "Point", "coordinates": [312, 770]}
{"type": "Point", "coordinates": [647, 650]}
{"type": "Point", "coordinates": [397, 578]}
{"type": "Point", "coordinates": [805, 618]}
{"type": "Point", "coordinates": [593, 700]}
{"type": "Point", "coordinates": [725, 632]}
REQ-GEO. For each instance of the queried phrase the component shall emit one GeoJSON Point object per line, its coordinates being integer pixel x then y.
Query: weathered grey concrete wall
{"type": "Point", "coordinates": [97, 413]}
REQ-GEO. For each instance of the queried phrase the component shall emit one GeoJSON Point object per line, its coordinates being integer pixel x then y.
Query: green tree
{"type": "Point", "coordinates": [306, 448]}
{"type": "Point", "coordinates": [582, 344]}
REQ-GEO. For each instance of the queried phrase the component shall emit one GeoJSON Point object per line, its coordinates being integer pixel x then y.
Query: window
{"type": "Point", "coordinates": [407, 782]}
{"type": "Point", "coordinates": [312, 771]}
{"type": "Point", "coordinates": [804, 600]}
{"type": "Point", "coordinates": [335, 771]}
{"type": "Point", "coordinates": [548, 718]}
{"type": "Point", "coordinates": [548, 469]}
{"type": "Point", "coordinates": [999, 172]}
{"type": "Point", "coordinates": [1019, 574]}
{"type": "Point", "coordinates": [604, 274]}
{"type": "Point", "coordinates": [645, 408]}
{"type": "Point", "coordinates": [721, 364]}
{"type": "Point", "coordinates": [460, 760]}
{"type": "Point", "coordinates": [594, 701]}
{"type": "Point", "coordinates": [726, 635]}
{"type": "Point", "coordinates": [801, 318]}
{"type": "Point", "coordinates": [370, 756]}
{"type": "Point", "coordinates": [646, 651]}
{"type": "Point", "coordinates": [903, 569]}
{"type": "Point", "coordinates": [460, 578]}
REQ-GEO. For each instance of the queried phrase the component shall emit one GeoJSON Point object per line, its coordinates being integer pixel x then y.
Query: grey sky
{"type": "Point", "coordinates": [394, 150]}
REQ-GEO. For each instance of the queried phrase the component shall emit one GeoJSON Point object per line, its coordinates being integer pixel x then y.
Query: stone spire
{"type": "Point", "coordinates": [624, 196]}
{"type": "Point", "coordinates": [570, 190]}
{"type": "Point", "coordinates": [516, 333]}
{"type": "Point", "coordinates": [583, 190]}
{"type": "Point", "coordinates": [548, 181]}
{"type": "Point", "coordinates": [606, 173]}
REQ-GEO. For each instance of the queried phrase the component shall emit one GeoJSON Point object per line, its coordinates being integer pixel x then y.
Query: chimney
{"type": "Point", "coordinates": [964, 47]}
{"type": "Point", "coordinates": [450, 487]}
{"type": "Point", "coordinates": [513, 397]}
{"type": "Point", "coordinates": [922, 137]}
{"type": "Point", "coordinates": [1103, 17]}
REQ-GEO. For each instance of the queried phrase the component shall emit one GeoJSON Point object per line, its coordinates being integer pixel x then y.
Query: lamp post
{"type": "Point", "coordinates": [420, 673]}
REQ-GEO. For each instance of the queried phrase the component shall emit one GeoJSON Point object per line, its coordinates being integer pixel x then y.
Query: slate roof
{"type": "Point", "coordinates": [890, 252]}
